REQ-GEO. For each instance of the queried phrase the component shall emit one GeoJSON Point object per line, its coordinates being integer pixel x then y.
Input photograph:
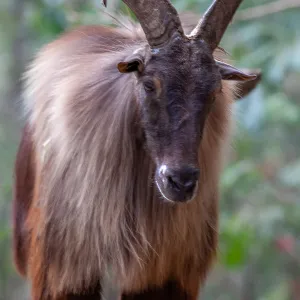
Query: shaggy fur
{"type": "Point", "coordinates": [96, 206]}
{"type": "Point", "coordinates": [23, 193]}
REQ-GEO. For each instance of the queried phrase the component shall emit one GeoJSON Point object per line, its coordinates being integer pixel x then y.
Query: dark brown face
{"type": "Point", "coordinates": [176, 87]}
{"type": "Point", "coordinates": [176, 90]}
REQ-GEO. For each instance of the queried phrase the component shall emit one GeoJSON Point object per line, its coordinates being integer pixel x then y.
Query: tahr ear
{"type": "Point", "coordinates": [229, 72]}
{"type": "Point", "coordinates": [246, 87]}
{"type": "Point", "coordinates": [134, 63]}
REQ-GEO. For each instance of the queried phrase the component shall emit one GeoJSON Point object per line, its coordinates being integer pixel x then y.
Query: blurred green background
{"type": "Point", "coordinates": [259, 211]}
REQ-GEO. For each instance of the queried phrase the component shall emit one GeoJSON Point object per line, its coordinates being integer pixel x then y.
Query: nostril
{"type": "Point", "coordinates": [174, 184]}
{"type": "Point", "coordinates": [190, 184]}
{"type": "Point", "coordinates": [180, 185]}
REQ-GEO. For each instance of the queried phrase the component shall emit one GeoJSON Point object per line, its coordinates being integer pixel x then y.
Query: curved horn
{"type": "Point", "coordinates": [215, 21]}
{"type": "Point", "coordinates": [158, 18]}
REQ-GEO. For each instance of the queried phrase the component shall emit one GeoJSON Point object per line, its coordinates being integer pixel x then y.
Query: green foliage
{"type": "Point", "coordinates": [235, 239]}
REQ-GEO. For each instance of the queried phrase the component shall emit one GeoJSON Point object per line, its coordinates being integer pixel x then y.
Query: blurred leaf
{"type": "Point", "coordinates": [279, 109]}
{"type": "Point", "coordinates": [235, 172]}
{"type": "Point", "coordinates": [290, 174]}
{"type": "Point", "coordinates": [279, 292]}
{"type": "Point", "coordinates": [236, 238]}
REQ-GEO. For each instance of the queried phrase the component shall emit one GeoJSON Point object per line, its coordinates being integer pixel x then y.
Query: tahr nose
{"type": "Point", "coordinates": [183, 179]}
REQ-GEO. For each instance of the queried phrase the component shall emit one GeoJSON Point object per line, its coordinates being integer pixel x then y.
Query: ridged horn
{"type": "Point", "coordinates": [158, 18]}
{"type": "Point", "coordinates": [214, 22]}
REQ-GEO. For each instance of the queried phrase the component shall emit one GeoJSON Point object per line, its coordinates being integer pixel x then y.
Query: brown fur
{"type": "Point", "coordinates": [95, 205]}
{"type": "Point", "coordinates": [23, 193]}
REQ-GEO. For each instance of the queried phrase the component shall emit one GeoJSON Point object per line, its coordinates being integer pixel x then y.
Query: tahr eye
{"type": "Point", "coordinates": [149, 86]}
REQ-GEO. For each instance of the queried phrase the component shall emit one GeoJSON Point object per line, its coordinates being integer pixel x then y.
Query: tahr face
{"type": "Point", "coordinates": [176, 89]}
